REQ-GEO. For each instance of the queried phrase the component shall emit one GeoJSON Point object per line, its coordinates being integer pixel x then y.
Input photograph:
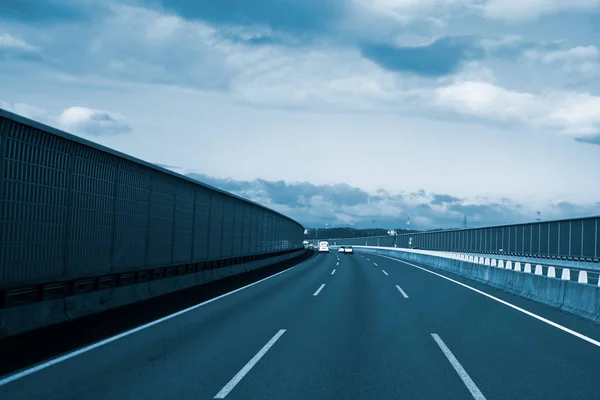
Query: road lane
{"type": "Point", "coordinates": [193, 352]}
{"type": "Point", "coordinates": [507, 353]}
{"type": "Point", "coordinates": [354, 342]}
{"type": "Point", "coordinates": [361, 337]}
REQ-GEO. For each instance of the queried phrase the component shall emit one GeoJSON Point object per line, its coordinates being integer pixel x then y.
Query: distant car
{"type": "Point", "coordinates": [324, 247]}
{"type": "Point", "coordinates": [341, 249]}
{"type": "Point", "coordinates": [348, 250]}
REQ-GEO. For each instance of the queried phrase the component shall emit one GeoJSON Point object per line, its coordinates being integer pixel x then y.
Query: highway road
{"type": "Point", "coordinates": [347, 327]}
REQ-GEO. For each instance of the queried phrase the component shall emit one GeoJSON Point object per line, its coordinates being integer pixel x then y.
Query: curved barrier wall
{"type": "Point", "coordinates": [76, 216]}
{"type": "Point", "coordinates": [570, 239]}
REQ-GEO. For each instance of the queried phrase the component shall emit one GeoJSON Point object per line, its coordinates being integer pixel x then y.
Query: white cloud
{"type": "Point", "coordinates": [516, 10]}
{"type": "Point", "coordinates": [26, 110]}
{"type": "Point", "coordinates": [433, 12]}
{"type": "Point", "coordinates": [134, 43]}
{"type": "Point", "coordinates": [577, 54]}
{"type": "Point", "coordinates": [10, 42]}
{"type": "Point", "coordinates": [531, 9]}
{"type": "Point", "coordinates": [575, 114]}
{"type": "Point", "coordinates": [583, 61]}
{"type": "Point", "coordinates": [339, 205]}
{"type": "Point", "coordinates": [484, 99]}
{"type": "Point", "coordinates": [579, 113]}
{"type": "Point", "coordinates": [319, 79]}
{"type": "Point", "coordinates": [85, 121]}
{"type": "Point", "coordinates": [267, 75]}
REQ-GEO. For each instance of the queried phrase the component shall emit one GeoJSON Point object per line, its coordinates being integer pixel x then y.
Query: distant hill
{"type": "Point", "coordinates": [333, 233]}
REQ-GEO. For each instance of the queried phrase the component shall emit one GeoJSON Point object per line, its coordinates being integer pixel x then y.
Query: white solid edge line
{"type": "Point", "coordinates": [54, 361]}
{"type": "Point", "coordinates": [402, 291]}
{"type": "Point", "coordinates": [240, 375]}
{"type": "Point", "coordinates": [319, 289]}
{"type": "Point", "coordinates": [506, 303]}
{"type": "Point", "coordinates": [383, 270]}
{"type": "Point", "coordinates": [459, 369]}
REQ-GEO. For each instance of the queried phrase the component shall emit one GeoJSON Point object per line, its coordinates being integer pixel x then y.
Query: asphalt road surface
{"type": "Point", "coordinates": [339, 327]}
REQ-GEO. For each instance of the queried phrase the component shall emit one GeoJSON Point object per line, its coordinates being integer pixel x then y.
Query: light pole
{"type": "Point", "coordinates": [393, 234]}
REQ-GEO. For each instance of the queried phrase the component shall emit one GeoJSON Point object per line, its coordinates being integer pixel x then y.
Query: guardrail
{"type": "Point", "coordinates": [574, 239]}
{"type": "Point", "coordinates": [76, 216]}
{"type": "Point", "coordinates": [584, 276]}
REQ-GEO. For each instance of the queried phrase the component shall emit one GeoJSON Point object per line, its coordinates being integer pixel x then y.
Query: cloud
{"type": "Point", "coordinates": [579, 53]}
{"type": "Point", "coordinates": [9, 42]}
{"type": "Point", "coordinates": [575, 60]}
{"type": "Point", "coordinates": [591, 139]}
{"type": "Point", "coordinates": [569, 208]}
{"type": "Point", "coordinates": [404, 11]}
{"type": "Point", "coordinates": [485, 99]}
{"type": "Point", "coordinates": [167, 166]}
{"type": "Point", "coordinates": [527, 10]}
{"type": "Point", "coordinates": [242, 56]}
{"type": "Point", "coordinates": [76, 120]}
{"type": "Point", "coordinates": [15, 49]}
{"type": "Point", "coordinates": [439, 199]}
{"type": "Point", "coordinates": [132, 44]}
{"type": "Point", "coordinates": [339, 205]}
{"type": "Point", "coordinates": [442, 57]}
{"type": "Point", "coordinates": [574, 114]}
{"type": "Point", "coordinates": [291, 194]}
{"type": "Point", "coordinates": [85, 121]}
{"type": "Point", "coordinates": [504, 10]}
{"type": "Point", "coordinates": [297, 16]}
{"type": "Point", "coordinates": [26, 110]}
{"type": "Point", "coordinates": [45, 12]}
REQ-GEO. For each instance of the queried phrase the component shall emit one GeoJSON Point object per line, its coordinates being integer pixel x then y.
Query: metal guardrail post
{"type": "Point", "coordinates": [193, 227]}
{"type": "Point", "coordinates": [210, 201]}
{"type": "Point", "coordinates": [233, 232]}
{"type": "Point", "coordinates": [596, 240]}
{"type": "Point", "coordinates": [582, 240]}
{"type": "Point", "coordinates": [3, 138]}
{"type": "Point", "coordinates": [570, 237]}
{"type": "Point", "coordinates": [148, 200]}
{"type": "Point", "coordinates": [114, 218]}
{"type": "Point", "coordinates": [558, 240]}
{"type": "Point", "coordinates": [174, 223]}
{"type": "Point", "coordinates": [549, 229]}
{"type": "Point", "coordinates": [69, 201]}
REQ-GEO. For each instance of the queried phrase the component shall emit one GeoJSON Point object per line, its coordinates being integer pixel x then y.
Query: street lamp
{"type": "Point", "coordinates": [393, 234]}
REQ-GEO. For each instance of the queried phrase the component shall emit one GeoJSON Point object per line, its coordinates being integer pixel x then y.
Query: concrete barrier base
{"type": "Point", "coordinates": [38, 315]}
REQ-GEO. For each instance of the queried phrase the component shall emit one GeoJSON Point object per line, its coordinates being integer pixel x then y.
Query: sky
{"type": "Point", "coordinates": [330, 111]}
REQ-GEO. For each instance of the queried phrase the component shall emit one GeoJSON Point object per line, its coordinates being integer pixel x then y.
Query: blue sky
{"type": "Point", "coordinates": [331, 110]}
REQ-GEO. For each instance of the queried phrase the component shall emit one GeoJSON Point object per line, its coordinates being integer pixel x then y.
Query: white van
{"type": "Point", "coordinates": [323, 247]}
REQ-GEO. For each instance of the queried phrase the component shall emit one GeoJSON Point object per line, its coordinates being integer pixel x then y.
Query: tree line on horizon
{"type": "Point", "coordinates": [333, 233]}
